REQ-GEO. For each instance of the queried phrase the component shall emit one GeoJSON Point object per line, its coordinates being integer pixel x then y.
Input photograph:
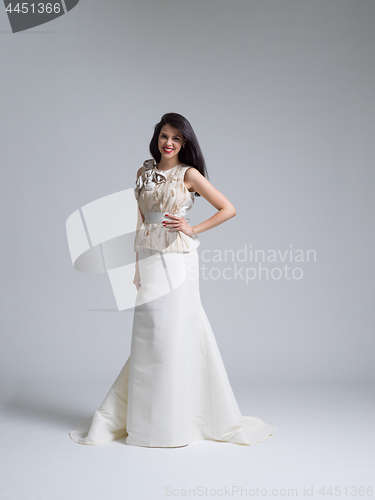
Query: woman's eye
{"type": "Point", "coordinates": [174, 138]}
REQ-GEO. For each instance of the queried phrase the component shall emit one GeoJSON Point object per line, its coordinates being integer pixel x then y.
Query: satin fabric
{"type": "Point", "coordinates": [173, 388]}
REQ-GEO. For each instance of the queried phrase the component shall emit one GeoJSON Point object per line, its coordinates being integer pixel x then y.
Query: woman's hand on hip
{"type": "Point", "coordinates": [176, 223]}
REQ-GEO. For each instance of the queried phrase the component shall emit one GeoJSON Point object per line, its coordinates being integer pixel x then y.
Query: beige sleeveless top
{"type": "Point", "coordinates": [165, 192]}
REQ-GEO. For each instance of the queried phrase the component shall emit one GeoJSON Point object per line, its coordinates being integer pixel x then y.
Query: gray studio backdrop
{"type": "Point", "coordinates": [280, 94]}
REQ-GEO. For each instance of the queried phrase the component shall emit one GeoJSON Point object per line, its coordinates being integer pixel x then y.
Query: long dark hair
{"type": "Point", "coordinates": [191, 154]}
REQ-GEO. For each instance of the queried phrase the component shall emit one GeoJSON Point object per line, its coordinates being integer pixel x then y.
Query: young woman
{"type": "Point", "coordinates": [174, 388]}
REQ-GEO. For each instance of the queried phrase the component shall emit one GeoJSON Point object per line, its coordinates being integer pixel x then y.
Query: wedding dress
{"type": "Point", "coordinates": [173, 388]}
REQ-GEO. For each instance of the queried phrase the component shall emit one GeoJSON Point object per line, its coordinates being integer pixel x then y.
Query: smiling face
{"type": "Point", "coordinates": [170, 142]}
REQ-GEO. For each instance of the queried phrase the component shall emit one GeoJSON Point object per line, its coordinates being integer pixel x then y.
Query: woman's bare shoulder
{"type": "Point", "coordinates": [192, 173]}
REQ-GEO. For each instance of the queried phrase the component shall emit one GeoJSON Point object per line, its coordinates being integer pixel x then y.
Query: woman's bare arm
{"type": "Point", "coordinates": [140, 217]}
{"type": "Point", "coordinates": [194, 179]}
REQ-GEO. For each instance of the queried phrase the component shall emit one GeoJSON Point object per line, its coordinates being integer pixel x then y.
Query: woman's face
{"type": "Point", "coordinates": [170, 141]}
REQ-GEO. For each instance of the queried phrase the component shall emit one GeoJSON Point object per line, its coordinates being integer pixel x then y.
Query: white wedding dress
{"type": "Point", "coordinates": [173, 388]}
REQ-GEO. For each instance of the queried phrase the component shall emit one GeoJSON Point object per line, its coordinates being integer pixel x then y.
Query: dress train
{"type": "Point", "coordinates": [173, 388]}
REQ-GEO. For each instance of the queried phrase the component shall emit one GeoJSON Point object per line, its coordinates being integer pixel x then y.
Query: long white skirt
{"type": "Point", "coordinates": [173, 388]}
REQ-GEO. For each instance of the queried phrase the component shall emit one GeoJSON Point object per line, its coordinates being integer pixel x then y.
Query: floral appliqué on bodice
{"type": "Point", "coordinates": [163, 191]}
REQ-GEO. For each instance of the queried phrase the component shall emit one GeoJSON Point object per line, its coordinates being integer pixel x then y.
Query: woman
{"type": "Point", "coordinates": [173, 389]}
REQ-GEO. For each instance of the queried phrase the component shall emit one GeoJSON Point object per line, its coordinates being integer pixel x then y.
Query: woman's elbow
{"type": "Point", "coordinates": [232, 211]}
{"type": "Point", "coordinates": [229, 211]}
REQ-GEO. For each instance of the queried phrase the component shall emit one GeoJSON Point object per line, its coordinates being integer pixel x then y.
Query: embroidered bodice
{"type": "Point", "coordinates": [164, 192]}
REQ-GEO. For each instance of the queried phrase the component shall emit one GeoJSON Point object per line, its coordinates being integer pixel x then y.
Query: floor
{"type": "Point", "coordinates": [326, 440]}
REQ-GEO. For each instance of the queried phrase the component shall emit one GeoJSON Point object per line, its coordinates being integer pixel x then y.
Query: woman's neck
{"type": "Point", "coordinates": [166, 164]}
